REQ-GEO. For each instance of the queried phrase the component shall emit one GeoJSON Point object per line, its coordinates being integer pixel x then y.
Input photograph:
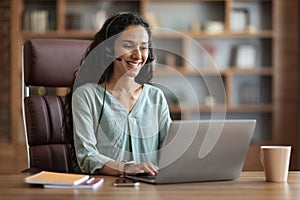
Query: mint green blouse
{"type": "Point", "coordinates": [121, 135]}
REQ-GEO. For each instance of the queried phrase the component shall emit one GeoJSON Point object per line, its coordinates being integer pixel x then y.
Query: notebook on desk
{"type": "Point", "coordinates": [202, 151]}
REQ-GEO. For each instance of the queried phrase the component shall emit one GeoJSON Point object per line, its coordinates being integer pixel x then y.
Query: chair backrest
{"type": "Point", "coordinates": [49, 63]}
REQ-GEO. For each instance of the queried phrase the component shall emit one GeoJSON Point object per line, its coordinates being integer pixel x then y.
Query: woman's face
{"type": "Point", "coordinates": [131, 49]}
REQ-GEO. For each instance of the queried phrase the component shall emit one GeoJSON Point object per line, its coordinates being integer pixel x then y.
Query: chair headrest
{"type": "Point", "coordinates": [52, 62]}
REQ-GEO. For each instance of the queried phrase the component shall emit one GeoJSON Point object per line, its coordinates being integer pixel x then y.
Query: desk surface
{"type": "Point", "coordinates": [251, 185]}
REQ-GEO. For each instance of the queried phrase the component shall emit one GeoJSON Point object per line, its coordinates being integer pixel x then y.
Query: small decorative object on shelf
{"type": "Point", "coordinates": [251, 29]}
{"type": "Point", "coordinates": [239, 20]}
{"type": "Point", "coordinates": [209, 101]}
{"type": "Point", "coordinates": [214, 27]}
{"type": "Point", "coordinates": [99, 19]}
{"type": "Point", "coordinates": [36, 21]}
{"type": "Point", "coordinates": [245, 56]}
{"type": "Point", "coordinates": [152, 19]}
{"type": "Point", "coordinates": [170, 60]}
{"type": "Point", "coordinates": [195, 26]}
{"type": "Point", "coordinates": [73, 21]}
{"type": "Point", "coordinates": [101, 14]}
{"type": "Point", "coordinates": [249, 93]}
{"type": "Point", "coordinates": [208, 56]}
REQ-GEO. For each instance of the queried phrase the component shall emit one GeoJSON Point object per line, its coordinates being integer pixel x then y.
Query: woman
{"type": "Point", "coordinates": [120, 118]}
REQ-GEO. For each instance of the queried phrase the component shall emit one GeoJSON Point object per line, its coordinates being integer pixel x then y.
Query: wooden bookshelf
{"type": "Point", "coordinates": [275, 35]}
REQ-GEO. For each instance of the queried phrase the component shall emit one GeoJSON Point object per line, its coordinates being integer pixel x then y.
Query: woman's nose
{"type": "Point", "coordinates": [137, 54]}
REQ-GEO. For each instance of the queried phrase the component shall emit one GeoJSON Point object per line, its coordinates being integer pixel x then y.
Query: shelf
{"type": "Point", "coordinates": [259, 71]}
{"type": "Point", "coordinates": [171, 34]}
{"type": "Point", "coordinates": [170, 71]}
{"type": "Point", "coordinates": [251, 108]}
{"type": "Point", "coordinates": [58, 34]}
{"type": "Point", "coordinates": [262, 108]}
{"type": "Point", "coordinates": [228, 34]}
{"type": "Point", "coordinates": [156, 35]}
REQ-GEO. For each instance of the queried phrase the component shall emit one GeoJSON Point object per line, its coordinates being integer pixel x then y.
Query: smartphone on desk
{"type": "Point", "coordinates": [124, 182]}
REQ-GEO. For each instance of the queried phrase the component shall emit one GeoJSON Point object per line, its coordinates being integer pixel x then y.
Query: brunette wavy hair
{"type": "Point", "coordinates": [112, 26]}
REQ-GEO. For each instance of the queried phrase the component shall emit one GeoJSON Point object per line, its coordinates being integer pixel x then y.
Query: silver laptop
{"type": "Point", "coordinates": [202, 151]}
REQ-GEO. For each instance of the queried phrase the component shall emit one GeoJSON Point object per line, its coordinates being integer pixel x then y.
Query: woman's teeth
{"type": "Point", "coordinates": [133, 64]}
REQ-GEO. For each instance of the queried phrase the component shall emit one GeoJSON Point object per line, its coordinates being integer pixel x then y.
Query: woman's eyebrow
{"type": "Point", "coordinates": [132, 42]}
{"type": "Point", "coordinates": [129, 41]}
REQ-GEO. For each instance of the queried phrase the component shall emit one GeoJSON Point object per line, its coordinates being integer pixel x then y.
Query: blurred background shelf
{"type": "Point", "coordinates": [197, 42]}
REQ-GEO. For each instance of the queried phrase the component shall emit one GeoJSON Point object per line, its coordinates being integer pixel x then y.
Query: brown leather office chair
{"type": "Point", "coordinates": [49, 63]}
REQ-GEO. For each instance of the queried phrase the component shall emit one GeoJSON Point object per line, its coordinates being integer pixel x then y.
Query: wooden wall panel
{"type": "Point", "coordinates": [286, 78]}
{"type": "Point", "coordinates": [5, 71]}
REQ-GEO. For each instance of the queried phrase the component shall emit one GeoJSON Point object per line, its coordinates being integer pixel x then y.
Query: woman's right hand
{"type": "Point", "coordinates": [118, 168]}
{"type": "Point", "coordinates": [145, 167]}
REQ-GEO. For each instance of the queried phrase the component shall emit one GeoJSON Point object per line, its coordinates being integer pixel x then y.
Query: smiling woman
{"type": "Point", "coordinates": [132, 46]}
{"type": "Point", "coordinates": [119, 117]}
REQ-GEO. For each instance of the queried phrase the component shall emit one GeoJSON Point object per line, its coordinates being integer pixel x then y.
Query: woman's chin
{"type": "Point", "coordinates": [132, 74]}
{"type": "Point", "coordinates": [133, 71]}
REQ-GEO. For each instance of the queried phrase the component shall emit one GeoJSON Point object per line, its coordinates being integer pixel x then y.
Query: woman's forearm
{"type": "Point", "coordinates": [112, 168]}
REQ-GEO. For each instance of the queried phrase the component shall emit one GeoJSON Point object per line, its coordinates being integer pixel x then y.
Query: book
{"type": "Point", "coordinates": [92, 183]}
{"type": "Point", "coordinates": [46, 177]}
{"type": "Point", "coordinates": [73, 21]}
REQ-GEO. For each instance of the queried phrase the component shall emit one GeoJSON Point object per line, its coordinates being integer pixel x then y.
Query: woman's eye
{"type": "Point", "coordinates": [127, 46]}
{"type": "Point", "coordinates": [144, 48]}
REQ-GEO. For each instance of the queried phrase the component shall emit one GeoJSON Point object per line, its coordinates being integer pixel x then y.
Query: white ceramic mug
{"type": "Point", "coordinates": [275, 161]}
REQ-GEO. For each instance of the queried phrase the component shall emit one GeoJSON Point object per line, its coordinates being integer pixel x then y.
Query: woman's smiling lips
{"type": "Point", "coordinates": [133, 64]}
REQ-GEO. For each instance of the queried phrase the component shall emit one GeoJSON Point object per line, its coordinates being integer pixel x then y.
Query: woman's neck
{"type": "Point", "coordinates": [126, 90]}
{"type": "Point", "coordinates": [122, 84]}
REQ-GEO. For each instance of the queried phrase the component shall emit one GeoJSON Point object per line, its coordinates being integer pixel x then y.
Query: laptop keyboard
{"type": "Point", "coordinates": [145, 176]}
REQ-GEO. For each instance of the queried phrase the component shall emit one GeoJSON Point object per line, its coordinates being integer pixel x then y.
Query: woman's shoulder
{"type": "Point", "coordinates": [153, 90]}
{"type": "Point", "coordinates": [87, 88]}
{"type": "Point", "coordinates": [151, 87]}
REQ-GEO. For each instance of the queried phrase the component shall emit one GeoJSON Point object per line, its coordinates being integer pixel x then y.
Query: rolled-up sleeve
{"type": "Point", "coordinates": [85, 141]}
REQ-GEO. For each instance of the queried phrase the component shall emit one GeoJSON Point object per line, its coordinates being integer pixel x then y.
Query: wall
{"type": "Point", "coordinates": [5, 70]}
{"type": "Point", "coordinates": [286, 77]}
